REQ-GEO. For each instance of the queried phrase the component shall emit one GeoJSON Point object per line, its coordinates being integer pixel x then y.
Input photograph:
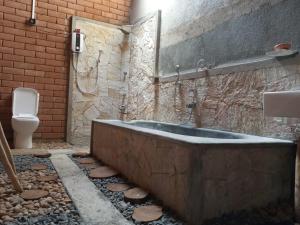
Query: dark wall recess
{"type": "Point", "coordinates": [248, 36]}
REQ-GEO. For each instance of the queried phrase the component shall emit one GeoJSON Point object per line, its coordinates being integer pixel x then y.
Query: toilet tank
{"type": "Point", "coordinates": [25, 101]}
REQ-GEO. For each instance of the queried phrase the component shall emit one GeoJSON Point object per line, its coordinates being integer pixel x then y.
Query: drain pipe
{"type": "Point", "coordinates": [32, 20]}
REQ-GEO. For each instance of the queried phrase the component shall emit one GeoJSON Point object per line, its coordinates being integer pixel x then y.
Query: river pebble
{"type": "Point", "coordinates": [56, 208]}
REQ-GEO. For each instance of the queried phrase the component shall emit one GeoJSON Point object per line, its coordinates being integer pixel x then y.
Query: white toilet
{"type": "Point", "coordinates": [24, 120]}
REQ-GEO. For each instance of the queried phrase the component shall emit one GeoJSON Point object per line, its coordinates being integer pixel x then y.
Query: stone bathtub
{"type": "Point", "coordinates": [199, 173]}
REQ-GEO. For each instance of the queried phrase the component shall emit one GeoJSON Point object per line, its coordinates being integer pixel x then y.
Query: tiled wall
{"type": "Point", "coordinates": [38, 56]}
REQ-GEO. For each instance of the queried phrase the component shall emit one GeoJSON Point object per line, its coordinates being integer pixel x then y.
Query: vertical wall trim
{"type": "Point", "coordinates": [157, 47]}
{"type": "Point", "coordinates": [70, 105]}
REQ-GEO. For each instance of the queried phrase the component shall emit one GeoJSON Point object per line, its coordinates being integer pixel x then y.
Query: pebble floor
{"type": "Point", "coordinates": [279, 214]}
{"type": "Point", "coordinates": [126, 208]}
{"type": "Point", "coordinates": [55, 217]}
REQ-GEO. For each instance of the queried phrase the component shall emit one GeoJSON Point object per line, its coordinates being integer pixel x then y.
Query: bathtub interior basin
{"type": "Point", "coordinates": [185, 130]}
{"type": "Point", "coordinates": [191, 134]}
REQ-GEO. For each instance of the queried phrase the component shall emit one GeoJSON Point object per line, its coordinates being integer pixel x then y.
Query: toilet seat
{"type": "Point", "coordinates": [26, 118]}
{"type": "Point", "coordinates": [25, 102]}
{"type": "Point", "coordinates": [25, 115]}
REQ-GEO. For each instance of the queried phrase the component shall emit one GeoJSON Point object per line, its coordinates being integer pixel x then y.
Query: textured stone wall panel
{"type": "Point", "coordinates": [98, 94]}
{"type": "Point", "coordinates": [231, 102]}
{"type": "Point", "coordinates": [142, 69]}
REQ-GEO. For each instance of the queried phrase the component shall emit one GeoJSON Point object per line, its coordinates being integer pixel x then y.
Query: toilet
{"type": "Point", "coordinates": [24, 120]}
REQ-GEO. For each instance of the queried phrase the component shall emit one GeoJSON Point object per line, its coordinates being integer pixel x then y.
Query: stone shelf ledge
{"type": "Point", "coordinates": [232, 67]}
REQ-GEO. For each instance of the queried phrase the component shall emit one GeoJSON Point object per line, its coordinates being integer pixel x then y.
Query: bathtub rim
{"type": "Point", "coordinates": [246, 140]}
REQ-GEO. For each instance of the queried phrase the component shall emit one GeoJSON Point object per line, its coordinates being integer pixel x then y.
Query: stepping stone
{"type": "Point", "coordinates": [135, 195]}
{"type": "Point", "coordinates": [147, 213]}
{"type": "Point", "coordinates": [91, 166]}
{"type": "Point", "coordinates": [117, 187]}
{"type": "Point", "coordinates": [81, 154]}
{"type": "Point", "coordinates": [103, 172]}
{"type": "Point", "coordinates": [81, 149]}
{"type": "Point", "coordinates": [47, 178]}
{"type": "Point", "coordinates": [39, 166]}
{"type": "Point", "coordinates": [33, 194]}
{"type": "Point", "coordinates": [87, 161]}
{"type": "Point", "coordinates": [42, 155]}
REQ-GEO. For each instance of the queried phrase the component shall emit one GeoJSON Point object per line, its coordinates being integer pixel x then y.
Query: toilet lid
{"type": "Point", "coordinates": [25, 101]}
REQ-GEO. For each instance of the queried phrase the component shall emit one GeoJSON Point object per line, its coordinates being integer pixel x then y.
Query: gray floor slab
{"type": "Point", "coordinates": [61, 151]}
{"type": "Point", "coordinates": [93, 206]}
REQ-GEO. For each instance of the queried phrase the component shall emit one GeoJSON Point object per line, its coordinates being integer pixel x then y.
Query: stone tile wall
{"type": "Point", "coordinates": [96, 89]}
{"type": "Point", "coordinates": [231, 101]}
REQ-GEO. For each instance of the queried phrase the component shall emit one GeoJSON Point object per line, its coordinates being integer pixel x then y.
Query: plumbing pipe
{"type": "Point", "coordinates": [33, 10]}
{"type": "Point", "coordinates": [32, 20]}
{"type": "Point", "coordinates": [297, 184]}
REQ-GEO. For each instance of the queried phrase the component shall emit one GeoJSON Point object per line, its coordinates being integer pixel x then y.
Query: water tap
{"type": "Point", "coordinates": [122, 109]}
{"type": "Point", "coordinates": [177, 68]}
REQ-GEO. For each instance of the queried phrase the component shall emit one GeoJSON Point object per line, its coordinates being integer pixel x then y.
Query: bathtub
{"type": "Point", "coordinates": [199, 173]}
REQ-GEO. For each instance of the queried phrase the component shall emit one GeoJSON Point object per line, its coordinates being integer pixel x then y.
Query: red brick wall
{"type": "Point", "coordinates": [38, 56]}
